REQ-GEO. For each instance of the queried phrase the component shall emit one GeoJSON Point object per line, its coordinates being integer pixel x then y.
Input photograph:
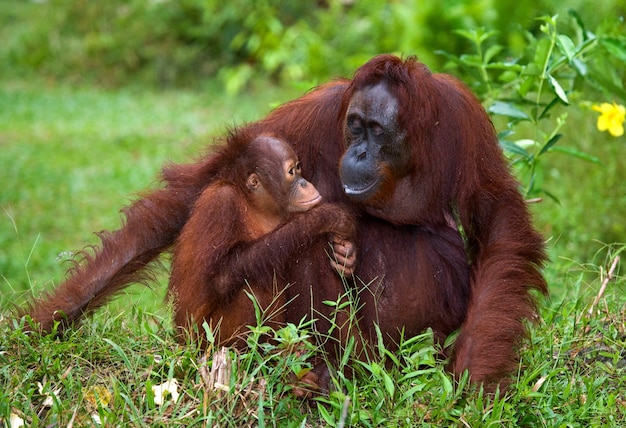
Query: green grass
{"type": "Point", "coordinates": [70, 158]}
{"type": "Point", "coordinates": [572, 373]}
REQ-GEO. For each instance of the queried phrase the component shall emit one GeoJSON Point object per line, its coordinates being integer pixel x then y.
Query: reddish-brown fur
{"type": "Point", "coordinates": [460, 172]}
{"type": "Point", "coordinates": [224, 254]}
{"type": "Point", "coordinates": [420, 273]}
{"type": "Point", "coordinates": [415, 269]}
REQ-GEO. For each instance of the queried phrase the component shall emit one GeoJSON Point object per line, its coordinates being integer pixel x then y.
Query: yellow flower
{"type": "Point", "coordinates": [611, 119]}
{"type": "Point", "coordinates": [97, 395]}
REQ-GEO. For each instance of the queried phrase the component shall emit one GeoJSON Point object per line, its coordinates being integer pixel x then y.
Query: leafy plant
{"type": "Point", "coordinates": [533, 93]}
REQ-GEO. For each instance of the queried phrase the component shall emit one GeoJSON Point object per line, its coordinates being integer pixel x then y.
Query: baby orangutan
{"type": "Point", "coordinates": [243, 230]}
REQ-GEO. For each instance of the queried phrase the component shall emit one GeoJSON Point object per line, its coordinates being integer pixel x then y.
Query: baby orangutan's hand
{"type": "Point", "coordinates": [344, 256]}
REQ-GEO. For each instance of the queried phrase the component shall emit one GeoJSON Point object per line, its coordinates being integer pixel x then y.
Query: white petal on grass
{"type": "Point", "coordinates": [49, 401]}
{"type": "Point", "coordinates": [163, 390]}
{"type": "Point", "coordinates": [15, 421]}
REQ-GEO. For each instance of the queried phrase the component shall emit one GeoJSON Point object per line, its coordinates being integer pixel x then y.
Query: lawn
{"type": "Point", "coordinates": [71, 157]}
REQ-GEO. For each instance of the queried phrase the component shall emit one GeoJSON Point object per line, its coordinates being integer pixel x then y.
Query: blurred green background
{"type": "Point", "coordinates": [95, 96]}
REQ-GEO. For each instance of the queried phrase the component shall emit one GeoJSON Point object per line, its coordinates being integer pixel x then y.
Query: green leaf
{"type": "Point", "coordinates": [551, 196]}
{"type": "Point", "coordinates": [579, 21]}
{"type": "Point", "coordinates": [615, 47]}
{"type": "Point", "coordinates": [506, 109]}
{"type": "Point", "coordinates": [473, 60]}
{"type": "Point", "coordinates": [580, 66]}
{"type": "Point", "coordinates": [558, 90]}
{"type": "Point", "coordinates": [531, 69]}
{"type": "Point", "coordinates": [549, 107]}
{"type": "Point", "coordinates": [389, 384]}
{"type": "Point", "coordinates": [478, 35]}
{"type": "Point", "coordinates": [589, 43]}
{"type": "Point", "coordinates": [570, 151]}
{"type": "Point", "coordinates": [550, 143]}
{"type": "Point", "coordinates": [513, 148]}
{"type": "Point", "coordinates": [347, 353]}
{"type": "Point", "coordinates": [566, 46]}
{"type": "Point", "coordinates": [119, 350]}
{"type": "Point", "coordinates": [451, 339]}
{"type": "Point", "coordinates": [508, 76]}
{"type": "Point", "coordinates": [507, 132]}
{"type": "Point", "coordinates": [469, 35]}
{"type": "Point", "coordinates": [492, 51]}
{"type": "Point", "coordinates": [542, 51]}
{"type": "Point", "coordinates": [550, 23]}
{"type": "Point", "coordinates": [527, 84]}
{"type": "Point", "coordinates": [508, 66]}
{"type": "Point", "coordinates": [379, 340]}
{"type": "Point", "coordinates": [446, 383]}
{"type": "Point", "coordinates": [255, 304]}
{"type": "Point", "coordinates": [410, 394]}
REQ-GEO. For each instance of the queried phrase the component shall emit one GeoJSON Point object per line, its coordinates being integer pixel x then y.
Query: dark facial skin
{"type": "Point", "coordinates": [376, 152]}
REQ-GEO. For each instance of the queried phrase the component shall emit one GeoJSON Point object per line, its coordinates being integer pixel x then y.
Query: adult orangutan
{"type": "Point", "coordinates": [445, 239]}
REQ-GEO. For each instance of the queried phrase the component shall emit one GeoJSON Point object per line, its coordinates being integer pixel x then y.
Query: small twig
{"type": "Point", "coordinates": [534, 200]}
{"type": "Point", "coordinates": [204, 371]}
{"type": "Point", "coordinates": [218, 380]}
{"type": "Point", "coordinates": [344, 412]}
{"type": "Point", "coordinates": [608, 278]}
{"type": "Point", "coordinates": [71, 422]}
